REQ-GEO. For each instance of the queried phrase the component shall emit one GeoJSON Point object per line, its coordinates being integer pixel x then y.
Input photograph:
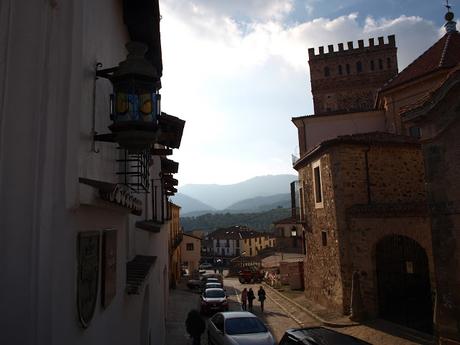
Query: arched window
{"type": "Point", "coordinates": [388, 63]}
{"type": "Point", "coordinates": [340, 70]}
{"type": "Point", "coordinates": [347, 67]}
{"type": "Point", "coordinates": [359, 67]}
{"type": "Point", "coordinates": [380, 64]}
{"type": "Point", "coordinates": [326, 71]}
{"type": "Point", "coordinates": [372, 65]}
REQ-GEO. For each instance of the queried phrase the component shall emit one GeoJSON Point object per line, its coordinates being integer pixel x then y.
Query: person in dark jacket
{"type": "Point", "coordinates": [261, 294]}
{"type": "Point", "coordinates": [251, 298]}
{"type": "Point", "coordinates": [195, 326]}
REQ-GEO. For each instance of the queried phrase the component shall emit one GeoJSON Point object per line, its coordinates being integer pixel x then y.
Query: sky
{"type": "Point", "coordinates": [237, 72]}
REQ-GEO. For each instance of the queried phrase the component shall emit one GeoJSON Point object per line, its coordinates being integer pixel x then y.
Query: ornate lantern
{"type": "Point", "coordinates": [135, 103]}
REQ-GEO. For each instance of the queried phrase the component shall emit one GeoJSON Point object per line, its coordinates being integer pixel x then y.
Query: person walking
{"type": "Point", "coordinates": [195, 326]}
{"type": "Point", "coordinates": [262, 296]}
{"type": "Point", "coordinates": [251, 298]}
{"type": "Point", "coordinates": [244, 299]}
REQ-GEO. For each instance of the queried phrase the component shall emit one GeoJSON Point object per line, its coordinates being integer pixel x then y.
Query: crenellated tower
{"type": "Point", "coordinates": [347, 80]}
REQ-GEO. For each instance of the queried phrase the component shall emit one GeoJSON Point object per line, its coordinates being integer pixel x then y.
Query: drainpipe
{"type": "Point", "coordinates": [368, 185]}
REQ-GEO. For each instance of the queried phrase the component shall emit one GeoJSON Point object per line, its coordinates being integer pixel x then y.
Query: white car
{"type": "Point", "coordinates": [238, 328]}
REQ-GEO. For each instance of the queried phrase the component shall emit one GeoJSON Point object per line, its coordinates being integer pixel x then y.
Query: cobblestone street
{"type": "Point", "coordinates": [280, 314]}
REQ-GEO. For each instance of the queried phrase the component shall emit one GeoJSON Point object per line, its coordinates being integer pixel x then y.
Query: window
{"type": "Point", "coordinates": [250, 251]}
{"type": "Point", "coordinates": [317, 184]}
{"type": "Point", "coordinates": [217, 243]}
{"type": "Point", "coordinates": [359, 67]}
{"type": "Point", "coordinates": [415, 132]}
{"type": "Point", "coordinates": [347, 67]}
{"type": "Point", "coordinates": [326, 71]}
{"type": "Point", "coordinates": [380, 64]}
{"type": "Point", "coordinates": [189, 246]}
{"type": "Point", "coordinates": [388, 63]}
{"type": "Point", "coordinates": [222, 251]}
{"type": "Point", "coordinates": [293, 232]}
{"type": "Point", "coordinates": [228, 243]}
{"type": "Point", "coordinates": [372, 65]}
{"type": "Point", "coordinates": [324, 238]}
{"type": "Point", "coordinates": [340, 70]}
{"type": "Point", "coordinates": [237, 243]}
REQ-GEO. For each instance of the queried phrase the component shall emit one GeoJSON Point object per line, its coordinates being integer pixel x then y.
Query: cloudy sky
{"type": "Point", "coordinates": [237, 72]}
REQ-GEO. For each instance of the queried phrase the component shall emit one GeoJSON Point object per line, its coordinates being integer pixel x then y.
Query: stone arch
{"type": "Point", "coordinates": [404, 292]}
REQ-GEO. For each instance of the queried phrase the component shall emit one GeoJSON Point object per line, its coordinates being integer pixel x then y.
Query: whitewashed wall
{"type": "Point", "coordinates": [49, 50]}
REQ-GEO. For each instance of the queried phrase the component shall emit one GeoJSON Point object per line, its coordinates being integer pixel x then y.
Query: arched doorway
{"type": "Point", "coordinates": [403, 279]}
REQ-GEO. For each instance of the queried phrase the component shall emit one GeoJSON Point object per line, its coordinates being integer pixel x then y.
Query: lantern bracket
{"type": "Point", "coordinates": [106, 73]}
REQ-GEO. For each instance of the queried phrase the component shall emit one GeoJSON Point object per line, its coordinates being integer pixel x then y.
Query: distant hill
{"type": "Point", "coordinates": [189, 204]}
{"type": "Point", "coordinates": [223, 196]}
{"type": "Point", "coordinates": [261, 221]}
{"type": "Point", "coordinates": [261, 203]}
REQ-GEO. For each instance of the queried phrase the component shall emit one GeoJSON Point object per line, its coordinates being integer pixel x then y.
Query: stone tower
{"type": "Point", "coordinates": [347, 80]}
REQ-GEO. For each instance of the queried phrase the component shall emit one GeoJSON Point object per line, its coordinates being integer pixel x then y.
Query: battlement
{"type": "Point", "coordinates": [350, 48]}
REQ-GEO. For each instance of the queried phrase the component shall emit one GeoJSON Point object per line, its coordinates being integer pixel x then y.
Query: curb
{"type": "Point", "coordinates": [312, 314]}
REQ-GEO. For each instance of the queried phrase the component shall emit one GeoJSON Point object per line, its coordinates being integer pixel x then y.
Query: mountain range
{"type": "Point", "coordinates": [256, 194]}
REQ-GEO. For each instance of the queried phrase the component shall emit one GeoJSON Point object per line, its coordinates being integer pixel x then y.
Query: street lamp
{"type": "Point", "coordinates": [135, 102]}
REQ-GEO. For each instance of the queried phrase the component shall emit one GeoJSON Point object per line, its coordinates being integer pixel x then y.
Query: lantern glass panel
{"type": "Point", "coordinates": [134, 101]}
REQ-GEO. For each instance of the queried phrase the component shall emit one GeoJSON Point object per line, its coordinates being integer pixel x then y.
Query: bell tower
{"type": "Point", "coordinates": [347, 80]}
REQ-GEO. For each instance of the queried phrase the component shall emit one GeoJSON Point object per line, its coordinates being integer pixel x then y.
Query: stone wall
{"type": "Point", "coordinates": [322, 265]}
{"type": "Point", "coordinates": [390, 175]}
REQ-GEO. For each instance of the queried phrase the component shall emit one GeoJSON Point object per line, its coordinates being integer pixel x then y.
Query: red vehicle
{"type": "Point", "coordinates": [250, 275]}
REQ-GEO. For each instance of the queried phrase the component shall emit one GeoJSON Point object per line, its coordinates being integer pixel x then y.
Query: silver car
{"type": "Point", "coordinates": [238, 328]}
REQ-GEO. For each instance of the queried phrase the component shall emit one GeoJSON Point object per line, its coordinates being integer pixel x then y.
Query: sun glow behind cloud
{"type": "Point", "coordinates": [237, 83]}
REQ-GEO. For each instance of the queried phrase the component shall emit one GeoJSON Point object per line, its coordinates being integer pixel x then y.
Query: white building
{"type": "Point", "coordinates": [83, 259]}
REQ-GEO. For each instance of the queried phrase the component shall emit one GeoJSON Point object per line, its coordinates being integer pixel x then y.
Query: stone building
{"type": "Point", "coordinates": [347, 80]}
{"type": "Point", "coordinates": [289, 236]}
{"type": "Point", "coordinates": [363, 193]}
{"type": "Point", "coordinates": [434, 117]}
{"type": "Point", "coordinates": [84, 182]}
{"type": "Point", "coordinates": [368, 209]}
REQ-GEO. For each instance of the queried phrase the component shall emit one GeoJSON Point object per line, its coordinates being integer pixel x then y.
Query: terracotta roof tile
{"type": "Point", "coordinates": [445, 53]}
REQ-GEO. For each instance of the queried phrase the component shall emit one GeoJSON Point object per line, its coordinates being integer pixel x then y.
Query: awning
{"type": "Point", "coordinates": [171, 130]}
{"type": "Point", "coordinates": [137, 271]}
{"type": "Point", "coordinates": [168, 166]}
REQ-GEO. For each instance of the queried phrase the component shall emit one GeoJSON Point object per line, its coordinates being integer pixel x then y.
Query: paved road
{"type": "Point", "coordinates": [278, 315]}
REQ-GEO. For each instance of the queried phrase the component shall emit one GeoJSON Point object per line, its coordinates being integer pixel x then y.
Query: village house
{"type": "Point", "coordinates": [191, 252]}
{"type": "Point", "coordinates": [85, 178]}
{"type": "Point", "coordinates": [365, 160]}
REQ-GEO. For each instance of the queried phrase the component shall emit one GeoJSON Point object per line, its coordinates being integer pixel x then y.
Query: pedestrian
{"type": "Point", "coordinates": [244, 299]}
{"type": "Point", "coordinates": [262, 296]}
{"type": "Point", "coordinates": [195, 326]}
{"type": "Point", "coordinates": [251, 298]}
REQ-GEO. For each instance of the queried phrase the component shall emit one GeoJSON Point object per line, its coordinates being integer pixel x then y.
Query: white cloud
{"type": "Point", "coordinates": [238, 84]}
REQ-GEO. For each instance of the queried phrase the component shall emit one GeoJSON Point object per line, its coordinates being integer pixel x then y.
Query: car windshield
{"type": "Point", "coordinates": [214, 293]}
{"type": "Point", "coordinates": [244, 325]}
{"type": "Point", "coordinates": [213, 285]}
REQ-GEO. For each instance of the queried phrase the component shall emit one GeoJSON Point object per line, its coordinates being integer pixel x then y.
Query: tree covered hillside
{"type": "Point", "coordinates": [260, 221]}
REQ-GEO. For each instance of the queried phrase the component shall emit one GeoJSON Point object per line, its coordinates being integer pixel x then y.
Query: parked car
{"type": "Point", "coordinates": [205, 266]}
{"type": "Point", "coordinates": [213, 300]}
{"type": "Point", "coordinates": [318, 336]}
{"type": "Point", "coordinates": [194, 284]}
{"type": "Point", "coordinates": [238, 328]}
